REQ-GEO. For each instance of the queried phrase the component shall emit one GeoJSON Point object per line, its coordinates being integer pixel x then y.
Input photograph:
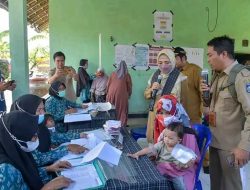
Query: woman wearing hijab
{"type": "Point", "coordinates": [34, 105]}
{"type": "Point", "coordinates": [172, 82]}
{"type": "Point", "coordinates": [99, 86]}
{"type": "Point", "coordinates": [18, 169]}
{"type": "Point", "coordinates": [57, 105]}
{"type": "Point", "coordinates": [84, 83]}
{"type": "Point", "coordinates": [119, 89]}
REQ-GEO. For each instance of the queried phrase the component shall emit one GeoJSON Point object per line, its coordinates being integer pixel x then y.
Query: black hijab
{"type": "Point", "coordinates": [54, 89]}
{"type": "Point", "coordinates": [29, 103]}
{"type": "Point", "coordinates": [10, 151]}
{"type": "Point", "coordinates": [84, 78]}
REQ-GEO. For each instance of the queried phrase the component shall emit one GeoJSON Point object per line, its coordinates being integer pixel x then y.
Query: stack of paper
{"type": "Point", "coordinates": [112, 127]}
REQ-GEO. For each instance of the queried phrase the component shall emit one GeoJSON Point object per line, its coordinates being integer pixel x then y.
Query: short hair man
{"type": "Point", "coordinates": [58, 74]}
{"type": "Point", "coordinates": [192, 71]}
{"type": "Point", "coordinates": [229, 119]}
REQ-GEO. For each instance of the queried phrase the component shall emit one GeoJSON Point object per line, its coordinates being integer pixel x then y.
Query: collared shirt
{"type": "Point", "coordinates": [194, 98]}
{"type": "Point", "coordinates": [232, 118]}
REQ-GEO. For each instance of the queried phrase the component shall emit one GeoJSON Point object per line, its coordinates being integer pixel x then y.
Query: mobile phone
{"type": "Point", "coordinates": [11, 82]}
{"type": "Point", "coordinates": [204, 75]}
{"type": "Point", "coordinates": [231, 160]}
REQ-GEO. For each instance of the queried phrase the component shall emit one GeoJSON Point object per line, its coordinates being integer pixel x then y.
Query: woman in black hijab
{"type": "Point", "coordinates": [84, 83]}
{"type": "Point", "coordinates": [17, 139]}
{"type": "Point", "coordinates": [34, 105]}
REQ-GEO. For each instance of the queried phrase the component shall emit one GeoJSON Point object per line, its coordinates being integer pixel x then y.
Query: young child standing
{"type": "Point", "coordinates": [173, 135]}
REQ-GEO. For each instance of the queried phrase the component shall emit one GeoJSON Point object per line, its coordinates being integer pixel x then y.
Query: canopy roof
{"type": "Point", "coordinates": [37, 13]}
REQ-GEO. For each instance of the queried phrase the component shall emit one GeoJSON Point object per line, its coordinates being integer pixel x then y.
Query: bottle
{"type": "Point", "coordinates": [204, 75]}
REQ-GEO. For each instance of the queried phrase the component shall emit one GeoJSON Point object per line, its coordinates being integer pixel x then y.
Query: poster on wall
{"type": "Point", "coordinates": [141, 56]}
{"type": "Point", "coordinates": [163, 26]}
{"type": "Point", "coordinates": [125, 53]}
{"type": "Point", "coordinates": [195, 55]}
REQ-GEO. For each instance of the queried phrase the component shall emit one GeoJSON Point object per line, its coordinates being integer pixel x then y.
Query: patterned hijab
{"type": "Point", "coordinates": [121, 70]}
{"type": "Point", "coordinates": [168, 106]}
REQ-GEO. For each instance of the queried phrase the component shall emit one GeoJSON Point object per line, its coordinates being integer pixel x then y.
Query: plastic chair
{"type": "Point", "coordinates": [203, 140]}
{"type": "Point", "coordinates": [139, 132]}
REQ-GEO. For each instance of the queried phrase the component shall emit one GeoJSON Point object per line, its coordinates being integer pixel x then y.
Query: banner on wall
{"type": "Point", "coordinates": [163, 26]}
{"type": "Point", "coordinates": [143, 56]}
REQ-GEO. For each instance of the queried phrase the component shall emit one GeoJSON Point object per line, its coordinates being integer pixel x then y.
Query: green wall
{"type": "Point", "coordinates": [75, 25]}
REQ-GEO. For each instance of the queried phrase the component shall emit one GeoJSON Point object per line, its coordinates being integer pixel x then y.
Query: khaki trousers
{"type": "Point", "coordinates": [222, 175]}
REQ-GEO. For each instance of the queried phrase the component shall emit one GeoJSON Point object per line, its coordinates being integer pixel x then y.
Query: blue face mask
{"type": "Point", "coordinates": [40, 119]}
{"type": "Point", "coordinates": [61, 93]}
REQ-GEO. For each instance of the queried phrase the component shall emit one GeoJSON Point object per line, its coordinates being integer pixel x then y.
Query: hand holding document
{"type": "Point", "coordinates": [84, 177]}
{"type": "Point", "coordinates": [105, 152]}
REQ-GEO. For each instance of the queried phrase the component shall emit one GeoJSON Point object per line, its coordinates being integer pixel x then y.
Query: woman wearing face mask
{"type": "Point", "coordinates": [34, 105]}
{"type": "Point", "coordinates": [84, 83]}
{"type": "Point", "coordinates": [58, 106]}
{"type": "Point", "coordinates": [18, 169]}
{"type": "Point", "coordinates": [172, 82]}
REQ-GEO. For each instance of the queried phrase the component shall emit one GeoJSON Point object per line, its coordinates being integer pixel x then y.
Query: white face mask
{"type": "Point", "coordinates": [52, 129]}
{"type": "Point", "coordinates": [31, 146]}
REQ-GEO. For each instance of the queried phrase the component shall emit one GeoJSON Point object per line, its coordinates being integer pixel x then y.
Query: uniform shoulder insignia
{"type": "Point", "coordinates": [245, 73]}
{"type": "Point", "coordinates": [248, 87]}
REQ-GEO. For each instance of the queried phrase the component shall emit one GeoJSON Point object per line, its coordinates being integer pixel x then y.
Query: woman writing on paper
{"type": "Point", "coordinates": [58, 106]}
{"type": "Point", "coordinates": [34, 105]}
{"type": "Point", "coordinates": [18, 169]}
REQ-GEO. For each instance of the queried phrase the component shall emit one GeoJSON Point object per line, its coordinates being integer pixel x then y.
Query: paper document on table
{"type": "Point", "coordinates": [68, 118]}
{"type": "Point", "coordinates": [102, 106]}
{"type": "Point", "coordinates": [105, 152]}
{"type": "Point", "coordinates": [89, 142]}
{"type": "Point", "coordinates": [100, 134]}
{"type": "Point", "coordinates": [84, 177]}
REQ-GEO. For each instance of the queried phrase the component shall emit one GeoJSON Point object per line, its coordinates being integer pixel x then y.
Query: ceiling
{"type": "Point", "coordinates": [37, 13]}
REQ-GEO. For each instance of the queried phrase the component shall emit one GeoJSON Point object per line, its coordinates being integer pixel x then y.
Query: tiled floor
{"type": "Point", "coordinates": [205, 180]}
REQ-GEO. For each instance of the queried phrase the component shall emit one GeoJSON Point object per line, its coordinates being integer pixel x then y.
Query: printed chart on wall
{"type": "Point", "coordinates": [163, 26]}
{"type": "Point", "coordinates": [141, 56]}
{"type": "Point", "coordinates": [125, 53]}
{"type": "Point", "coordinates": [195, 55]}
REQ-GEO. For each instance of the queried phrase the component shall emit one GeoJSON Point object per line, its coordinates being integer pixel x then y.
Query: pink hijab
{"type": "Point", "coordinates": [121, 70]}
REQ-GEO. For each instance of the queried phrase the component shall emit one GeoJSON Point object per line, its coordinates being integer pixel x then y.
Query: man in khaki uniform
{"type": "Point", "coordinates": [59, 73]}
{"type": "Point", "coordinates": [192, 71]}
{"type": "Point", "coordinates": [229, 120]}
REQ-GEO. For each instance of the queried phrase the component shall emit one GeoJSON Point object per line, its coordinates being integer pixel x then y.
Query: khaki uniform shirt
{"type": "Point", "coordinates": [69, 91]}
{"type": "Point", "coordinates": [194, 98]}
{"type": "Point", "coordinates": [232, 118]}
